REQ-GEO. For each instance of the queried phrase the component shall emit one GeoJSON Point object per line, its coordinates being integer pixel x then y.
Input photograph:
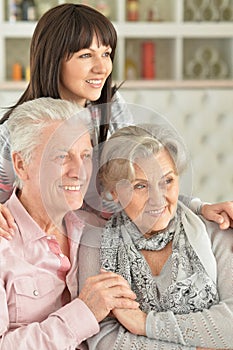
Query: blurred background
{"type": "Point", "coordinates": [174, 57]}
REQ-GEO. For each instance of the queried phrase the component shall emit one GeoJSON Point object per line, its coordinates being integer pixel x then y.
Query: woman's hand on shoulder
{"type": "Point", "coordinates": [222, 213]}
{"type": "Point", "coordinates": [7, 223]}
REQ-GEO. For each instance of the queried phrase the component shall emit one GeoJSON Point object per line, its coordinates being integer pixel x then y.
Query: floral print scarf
{"type": "Point", "coordinates": [193, 275]}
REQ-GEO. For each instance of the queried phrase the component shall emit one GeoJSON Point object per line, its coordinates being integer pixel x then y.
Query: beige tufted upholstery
{"type": "Point", "coordinates": [205, 120]}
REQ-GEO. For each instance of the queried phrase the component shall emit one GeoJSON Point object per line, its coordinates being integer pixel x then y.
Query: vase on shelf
{"type": "Point", "coordinates": [132, 10]}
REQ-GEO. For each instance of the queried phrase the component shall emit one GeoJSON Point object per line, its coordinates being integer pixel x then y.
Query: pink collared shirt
{"type": "Point", "coordinates": [33, 279]}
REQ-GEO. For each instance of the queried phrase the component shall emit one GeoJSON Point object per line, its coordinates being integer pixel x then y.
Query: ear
{"type": "Point", "coordinates": [114, 196]}
{"type": "Point", "coordinates": [19, 166]}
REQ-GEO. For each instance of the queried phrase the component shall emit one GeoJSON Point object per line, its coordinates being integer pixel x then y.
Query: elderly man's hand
{"type": "Point", "coordinates": [7, 224]}
{"type": "Point", "coordinates": [222, 213]}
{"type": "Point", "coordinates": [106, 291]}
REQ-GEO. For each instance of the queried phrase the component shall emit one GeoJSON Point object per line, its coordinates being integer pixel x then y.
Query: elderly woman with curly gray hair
{"type": "Point", "coordinates": [179, 265]}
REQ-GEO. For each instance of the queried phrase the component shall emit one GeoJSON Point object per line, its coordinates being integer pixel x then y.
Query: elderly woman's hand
{"type": "Point", "coordinates": [106, 291]}
{"type": "Point", "coordinates": [7, 224]}
{"type": "Point", "coordinates": [222, 213]}
{"type": "Point", "coordinates": [133, 320]}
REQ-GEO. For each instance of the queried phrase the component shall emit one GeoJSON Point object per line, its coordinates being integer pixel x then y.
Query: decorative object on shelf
{"type": "Point", "coordinates": [193, 9]}
{"type": "Point", "coordinates": [148, 60]}
{"type": "Point", "coordinates": [131, 69]}
{"type": "Point", "coordinates": [153, 12]}
{"type": "Point", "coordinates": [226, 11]}
{"type": "Point", "coordinates": [27, 73]}
{"type": "Point", "coordinates": [17, 72]}
{"type": "Point", "coordinates": [132, 10]}
{"type": "Point", "coordinates": [196, 70]}
{"type": "Point", "coordinates": [220, 3]}
{"type": "Point", "coordinates": [207, 54]}
{"type": "Point", "coordinates": [208, 10]}
{"type": "Point", "coordinates": [28, 10]}
{"type": "Point", "coordinates": [206, 64]}
{"type": "Point", "coordinates": [189, 13]}
{"type": "Point", "coordinates": [44, 5]}
{"type": "Point", "coordinates": [14, 10]}
{"type": "Point", "coordinates": [218, 70]}
{"type": "Point", "coordinates": [103, 7]}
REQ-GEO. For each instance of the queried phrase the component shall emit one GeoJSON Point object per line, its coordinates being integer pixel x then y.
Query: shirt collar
{"type": "Point", "coordinates": [28, 228]}
{"type": "Point", "coordinates": [31, 231]}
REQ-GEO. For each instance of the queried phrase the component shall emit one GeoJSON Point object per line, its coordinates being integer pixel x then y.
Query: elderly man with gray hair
{"type": "Point", "coordinates": [40, 309]}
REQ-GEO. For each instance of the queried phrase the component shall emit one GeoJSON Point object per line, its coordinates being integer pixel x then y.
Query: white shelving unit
{"type": "Point", "coordinates": [176, 43]}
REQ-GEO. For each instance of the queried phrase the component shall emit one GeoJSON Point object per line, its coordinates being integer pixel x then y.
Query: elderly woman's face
{"type": "Point", "coordinates": [59, 171]}
{"type": "Point", "coordinates": [150, 200]}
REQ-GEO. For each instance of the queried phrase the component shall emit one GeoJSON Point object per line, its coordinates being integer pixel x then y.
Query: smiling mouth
{"type": "Point", "coordinates": [94, 81]}
{"type": "Point", "coordinates": [72, 188]}
{"type": "Point", "coordinates": [156, 212]}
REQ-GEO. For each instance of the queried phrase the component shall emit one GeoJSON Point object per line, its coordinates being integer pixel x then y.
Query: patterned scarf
{"type": "Point", "coordinates": [193, 273]}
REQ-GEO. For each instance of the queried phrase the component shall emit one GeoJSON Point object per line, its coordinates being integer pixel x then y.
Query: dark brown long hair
{"type": "Point", "coordinates": [60, 32]}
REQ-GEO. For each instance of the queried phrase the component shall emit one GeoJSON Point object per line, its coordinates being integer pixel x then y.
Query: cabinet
{"type": "Point", "coordinates": [192, 40]}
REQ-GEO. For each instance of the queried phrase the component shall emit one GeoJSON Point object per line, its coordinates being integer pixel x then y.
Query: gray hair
{"type": "Point", "coordinates": [141, 141]}
{"type": "Point", "coordinates": [28, 120]}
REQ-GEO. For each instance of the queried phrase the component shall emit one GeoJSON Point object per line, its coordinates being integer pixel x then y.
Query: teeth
{"type": "Point", "coordinates": [72, 188]}
{"type": "Point", "coordinates": [94, 81]}
{"type": "Point", "coordinates": [159, 211]}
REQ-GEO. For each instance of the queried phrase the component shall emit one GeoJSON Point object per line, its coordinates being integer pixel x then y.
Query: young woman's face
{"type": "Point", "coordinates": [150, 200]}
{"type": "Point", "coordinates": [84, 75]}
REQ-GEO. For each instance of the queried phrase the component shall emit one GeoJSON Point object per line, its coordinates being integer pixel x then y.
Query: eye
{"type": "Point", "coordinates": [139, 186]}
{"type": "Point", "coordinates": [87, 156]}
{"type": "Point", "coordinates": [107, 54]}
{"type": "Point", "coordinates": [60, 158]}
{"type": "Point", "coordinates": [85, 55]}
{"type": "Point", "coordinates": [169, 180]}
{"type": "Point", "coordinates": [166, 182]}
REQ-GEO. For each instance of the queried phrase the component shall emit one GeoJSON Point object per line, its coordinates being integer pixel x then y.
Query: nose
{"type": "Point", "coordinates": [100, 65]}
{"type": "Point", "coordinates": [77, 169]}
{"type": "Point", "coordinates": [156, 196]}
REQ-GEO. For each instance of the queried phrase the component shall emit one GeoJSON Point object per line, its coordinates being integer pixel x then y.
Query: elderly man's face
{"type": "Point", "coordinates": [150, 200]}
{"type": "Point", "coordinates": [60, 169]}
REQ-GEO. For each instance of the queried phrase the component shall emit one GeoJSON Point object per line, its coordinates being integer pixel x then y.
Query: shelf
{"type": "Point", "coordinates": [173, 84]}
{"type": "Point", "coordinates": [17, 30]}
{"type": "Point", "coordinates": [139, 29]}
{"type": "Point", "coordinates": [176, 42]}
{"type": "Point", "coordinates": [173, 30]}
{"type": "Point", "coordinates": [143, 84]}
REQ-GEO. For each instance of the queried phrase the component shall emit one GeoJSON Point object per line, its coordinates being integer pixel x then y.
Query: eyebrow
{"type": "Point", "coordinates": [92, 49]}
{"type": "Point", "coordinates": [56, 149]}
{"type": "Point", "coordinates": [168, 173]}
{"type": "Point", "coordinates": [145, 180]}
{"type": "Point", "coordinates": [87, 150]}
